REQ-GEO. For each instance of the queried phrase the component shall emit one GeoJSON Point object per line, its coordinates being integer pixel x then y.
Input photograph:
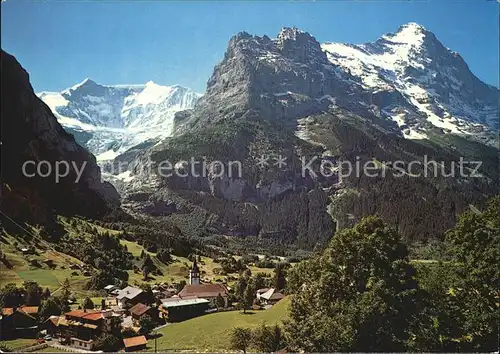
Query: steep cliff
{"type": "Point", "coordinates": [31, 138]}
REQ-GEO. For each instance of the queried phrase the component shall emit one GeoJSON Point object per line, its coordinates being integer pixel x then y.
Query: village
{"type": "Point", "coordinates": [131, 314]}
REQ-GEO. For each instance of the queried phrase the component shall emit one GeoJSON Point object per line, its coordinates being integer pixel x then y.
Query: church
{"type": "Point", "coordinates": [198, 290]}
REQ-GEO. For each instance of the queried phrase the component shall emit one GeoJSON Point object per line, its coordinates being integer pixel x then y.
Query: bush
{"type": "Point", "coordinates": [241, 338]}
{"type": "Point", "coordinates": [267, 339]}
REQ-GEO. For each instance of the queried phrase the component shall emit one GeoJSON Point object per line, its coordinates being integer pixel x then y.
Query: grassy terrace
{"type": "Point", "coordinates": [212, 332]}
{"type": "Point", "coordinates": [22, 268]}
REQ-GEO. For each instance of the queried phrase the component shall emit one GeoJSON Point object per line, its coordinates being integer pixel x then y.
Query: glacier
{"type": "Point", "coordinates": [111, 119]}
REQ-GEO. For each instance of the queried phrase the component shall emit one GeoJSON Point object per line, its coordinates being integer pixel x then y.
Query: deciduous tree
{"type": "Point", "coordinates": [146, 323]}
{"type": "Point", "coordinates": [358, 295]}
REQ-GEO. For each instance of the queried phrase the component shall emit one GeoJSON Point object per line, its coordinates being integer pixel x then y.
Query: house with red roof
{"type": "Point", "coordinates": [79, 328]}
{"type": "Point", "coordinates": [135, 343]}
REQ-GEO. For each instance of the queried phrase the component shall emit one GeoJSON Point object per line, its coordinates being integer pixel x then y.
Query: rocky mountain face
{"type": "Point", "coordinates": [421, 84]}
{"type": "Point", "coordinates": [34, 146]}
{"type": "Point", "coordinates": [109, 120]}
{"type": "Point", "coordinates": [279, 79]}
{"type": "Point", "coordinates": [275, 104]}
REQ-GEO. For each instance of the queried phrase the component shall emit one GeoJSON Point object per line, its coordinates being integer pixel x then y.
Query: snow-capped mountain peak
{"type": "Point", "coordinates": [152, 94]}
{"type": "Point", "coordinates": [118, 117]}
{"type": "Point", "coordinates": [433, 81]}
{"type": "Point", "coordinates": [86, 85]}
{"type": "Point", "coordinates": [408, 33]}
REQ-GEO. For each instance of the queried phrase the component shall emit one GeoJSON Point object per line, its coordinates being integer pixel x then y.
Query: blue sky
{"type": "Point", "coordinates": [62, 42]}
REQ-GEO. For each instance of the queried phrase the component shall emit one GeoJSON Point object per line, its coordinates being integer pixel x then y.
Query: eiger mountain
{"type": "Point", "coordinates": [109, 120]}
{"type": "Point", "coordinates": [428, 86]}
{"type": "Point", "coordinates": [401, 98]}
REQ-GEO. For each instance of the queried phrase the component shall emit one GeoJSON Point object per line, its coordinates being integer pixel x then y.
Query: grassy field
{"type": "Point", "coordinates": [212, 332]}
{"type": "Point", "coordinates": [16, 344]}
{"type": "Point", "coordinates": [22, 268]}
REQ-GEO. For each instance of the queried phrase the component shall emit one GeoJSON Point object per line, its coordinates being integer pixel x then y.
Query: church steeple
{"type": "Point", "coordinates": [194, 273]}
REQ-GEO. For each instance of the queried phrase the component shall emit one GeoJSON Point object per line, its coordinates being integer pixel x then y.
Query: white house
{"type": "Point", "coordinates": [271, 296]}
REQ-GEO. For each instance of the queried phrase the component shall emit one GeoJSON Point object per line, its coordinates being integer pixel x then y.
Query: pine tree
{"type": "Point", "coordinates": [147, 266]}
{"type": "Point", "coordinates": [88, 304]}
{"type": "Point", "coordinates": [279, 276]}
{"type": "Point", "coordinates": [66, 289]}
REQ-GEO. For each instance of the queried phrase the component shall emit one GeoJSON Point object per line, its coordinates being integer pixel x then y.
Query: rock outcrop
{"type": "Point", "coordinates": [30, 132]}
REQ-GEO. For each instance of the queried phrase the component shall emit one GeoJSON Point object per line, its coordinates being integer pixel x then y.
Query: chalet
{"type": "Point", "coordinates": [75, 333]}
{"type": "Point", "coordinates": [271, 297]}
{"type": "Point", "coordinates": [80, 327]}
{"type": "Point", "coordinates": [19, 321]}
{"type": "Point", "coordinates": [139, 310]}
{"type": "Point", "coordinates": [129, 296]}
{"type": "Point", "coordinates": [260, 292]}
{"type": "Point", "coordinates": [177, 309]}
{"type": "Point", "coordinates": [135, 343]}
{"type": "Point", "coordinates": [26, 250]}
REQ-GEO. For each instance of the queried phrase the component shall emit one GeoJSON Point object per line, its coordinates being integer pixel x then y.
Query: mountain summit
{"type": "Point", "coordinates": [407, 78]}
{"type": "Point", "coordinates": [404, 97]}
{"type": "Point", "coordinates": [431, 86]}
{"type": "Point", "coordinates": [109, 120]}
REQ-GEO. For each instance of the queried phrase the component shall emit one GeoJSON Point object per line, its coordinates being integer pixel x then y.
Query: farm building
{"type": "Point", "coordinates": [18, 321]}
{"type": "Point", "coordinates": [270, 297]}
{"type": "Point", "coordinates": [135, 343]}
{"type": "Point", "coordinates": [129, 296]}
{"type": "Point", "coordinates": [176, 309]}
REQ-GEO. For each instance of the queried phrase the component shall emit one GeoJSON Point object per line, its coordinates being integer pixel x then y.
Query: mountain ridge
{"type": "Point", "coordinates": [284, 97]}
{"type": "Point", "coordinates": [434, 81]}
{"type": "Point", "coordinates": [397, 74]}
{"type": "Point", "coordinates": [111, 119]}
